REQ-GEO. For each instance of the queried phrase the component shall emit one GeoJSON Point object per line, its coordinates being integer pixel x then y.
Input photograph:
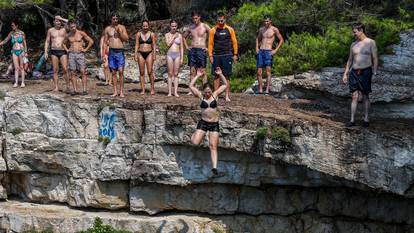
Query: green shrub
{"type": "Point", "coordinates": [244, 72]}
{"type": "Point", "coordinates": [275, 133]}
{"type": "Point", "coordinates": [99, 227]}
{"type": "Point", "coordinates": [281, 134]}
{"type": "Point", "coordinates": [261, 132]}
{"type": "Point", "coordinates": [385, 32]}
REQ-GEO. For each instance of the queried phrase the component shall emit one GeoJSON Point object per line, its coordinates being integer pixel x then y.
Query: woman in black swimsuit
{"type": "Point", "coordinates": [209, 117]}
{"type": "Point", "coordinates": [145, 42]}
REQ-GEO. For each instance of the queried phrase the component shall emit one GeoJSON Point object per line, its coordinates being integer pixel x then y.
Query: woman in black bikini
{"type": "Point", "coordinates": [145, 42]}
{"type": "Point", "coordinates": [209, 116]}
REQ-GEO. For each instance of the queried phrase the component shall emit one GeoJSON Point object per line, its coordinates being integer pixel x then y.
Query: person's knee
{"type": "Point", "coordinates": [194, 140]}
{"type": "Point", "coordinates": [17, 69]}
{"type": "Point", "coordinates": [259, 72]}
{"type": "Point", "coordinates": [268, 73]}
{"type": "Point", "coordinates": [355, 95]}
{"type": "Point", "coordinates": [213, 146]}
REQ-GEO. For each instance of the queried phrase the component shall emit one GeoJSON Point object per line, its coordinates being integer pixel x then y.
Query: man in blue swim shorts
{"type": "Point", "coordinates": [361, 67]}
{"type": "Point", "coordinates": [114, 36]}
{"type": "Point", "coordinates": [197, 51]}
{"type": "Point", "coordinates": [264, 51]}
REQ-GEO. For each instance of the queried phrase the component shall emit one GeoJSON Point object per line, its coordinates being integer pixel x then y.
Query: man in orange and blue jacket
{"type": "Point", "coordinates": [222, 51]}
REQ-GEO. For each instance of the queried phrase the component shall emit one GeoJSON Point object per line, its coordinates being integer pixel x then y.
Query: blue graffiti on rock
{"type": "Point", "coordinates": [107, 126]}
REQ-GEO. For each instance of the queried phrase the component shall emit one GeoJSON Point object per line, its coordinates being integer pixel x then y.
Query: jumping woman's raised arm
{"type": "Point", "coordinates": [194, 90]}
{"type": "Point", "coordinates": [223, 86]}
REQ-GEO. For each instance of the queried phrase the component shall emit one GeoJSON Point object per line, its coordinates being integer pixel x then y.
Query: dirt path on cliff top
{"type": "Point", "coordinates": [266, 106]}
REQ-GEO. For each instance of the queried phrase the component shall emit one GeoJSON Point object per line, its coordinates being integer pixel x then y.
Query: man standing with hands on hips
{"type": "Point", "coordinates": [114, 36]}
{"type": "Point", "coordinates": [222, 51]}
{"type": "Point", "coordinates": [362, 66]}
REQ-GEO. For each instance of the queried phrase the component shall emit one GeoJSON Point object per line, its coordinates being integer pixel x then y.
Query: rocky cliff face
{"type": "Point", "coordinates": [290, 165]}
{"type": "Point", "coordinates": [136, 156]}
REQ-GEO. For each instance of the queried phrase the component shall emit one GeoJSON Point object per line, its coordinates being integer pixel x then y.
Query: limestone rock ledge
{"type": "Point", "coordinates": [18, 217]}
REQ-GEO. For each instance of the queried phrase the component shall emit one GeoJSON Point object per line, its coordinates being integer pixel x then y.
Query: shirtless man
{"type": "Point", "coordinates": [197, 52]}
{"type": "Point", "coordinates": [362, 66]}
{"type": "Point", "coordinates": [114, 36]}
{"type": "Point", "coordinates": [76, 39]}
{"type": "Point", "coordinates": [55, 37]}
{"type": "Point", "coordinates": [264, 50]}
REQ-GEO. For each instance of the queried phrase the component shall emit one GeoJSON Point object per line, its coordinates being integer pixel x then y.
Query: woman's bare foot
{"type": "Point", "coordinates": [115, 95]}
{"type": "Point", "coordinates": [176, 95]}
{"type": "Point", "coordinates": [227, 99]}
{"type": "Point", "coordinates": [23, 85]}
{"type": "Point", "coordinates": [142, 93]}
{"type": "Point", "coordinates": [152, 92]}
{"type": "Point", "coordinates": [190, 93]}
{"type": "Point", "coordinates": [15, 85]}
{"type": "Point", "coordinates": [169, 94]}
{"type": "Point", "coordinates": [122, 95]}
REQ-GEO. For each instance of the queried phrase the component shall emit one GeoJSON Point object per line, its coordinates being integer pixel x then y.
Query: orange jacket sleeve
{"type": "Point", "coordinates": [211, 41]}
{"type": "Point", "coordinates": [234, 41]}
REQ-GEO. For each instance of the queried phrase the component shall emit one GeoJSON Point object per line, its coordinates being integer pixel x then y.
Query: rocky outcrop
{"type": "Point", "coordinates": [136, 156]}
{"type": "Point", "coordinates": [18, 217]}
{"type": "Point", "coordinates": [392, 90]}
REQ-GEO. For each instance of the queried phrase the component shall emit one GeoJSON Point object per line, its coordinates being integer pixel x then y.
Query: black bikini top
{"type": "Point", "coordinates": [148, 41]}
{"type": "Point", "coordinates": [204, 104]}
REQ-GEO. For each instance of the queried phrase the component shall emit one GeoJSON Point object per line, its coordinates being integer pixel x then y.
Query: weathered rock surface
{"type": "Point", "coordinates": [55, 151]}
{"type": "Point", "coordinates": [18, 217]}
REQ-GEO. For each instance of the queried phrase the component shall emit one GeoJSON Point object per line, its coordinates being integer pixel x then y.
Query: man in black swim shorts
{"type": "Point", "coordinates": [361, 67]}
{"type": "Point", "coordinates": [55, 38]}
